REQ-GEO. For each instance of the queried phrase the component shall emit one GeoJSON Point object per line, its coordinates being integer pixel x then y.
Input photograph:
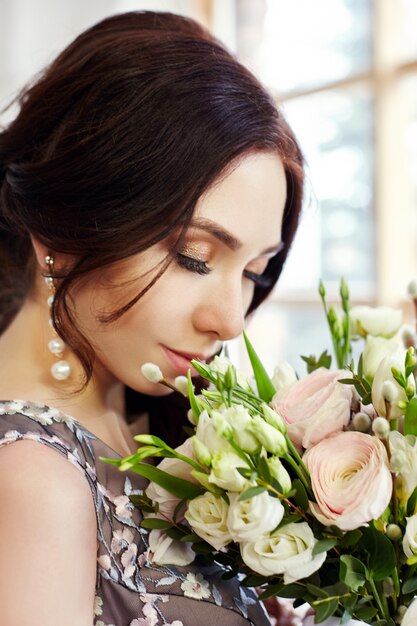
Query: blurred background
{"type": "Point", "coordinates": [345, 73]}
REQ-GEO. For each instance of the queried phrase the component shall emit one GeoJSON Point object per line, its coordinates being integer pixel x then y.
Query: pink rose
{"type": "Point", "coordinates": [350, 478]}
{"type": "Point", "coordinates": [314, 407]}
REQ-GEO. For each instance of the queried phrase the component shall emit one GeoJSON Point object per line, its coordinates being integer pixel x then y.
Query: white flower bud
{"type": "Point", "coordinates": [274, 419]}
{"type": "Point", "coordinates": [389, 391]}
{"type": "Point", "coordinates": [380, 427]}
{"type": "Point", "coordinates": [181, 383]}
{"type": "Point", "coordinates": [190, 417]}
{"type": "Point", "coordinates": [388, 587]}
{"type": "Point", "coordinates": [269, 437]}
{"type": "Point", "coordinates": [393, 532]}
{"type": "Point", "coordinates": [408, 337]}
{"type": "Point", "coordinates": [398, 462]}
{"type": "Point", "coordinates": [151, 372]}
{"type": "Point", "coordinates": [279, 472]}
{"type": "Point", "coordinates": [361, 422]}
{"type": "Point", "coordinates": [202, 452]}
{"type": "Point", "coordinates": [412, 289]}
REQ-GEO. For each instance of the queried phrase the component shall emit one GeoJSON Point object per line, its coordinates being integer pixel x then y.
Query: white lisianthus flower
{"type": "Point", "coordinates": [410, 616]}
{"type": "Point", "coordinates": [151, 372]}
{"type": "Point", "coordinates": [207, 434]}
{"type": "Point", "coordinates": [251, 518]}
{"type": "Point", "coordinates": [384, 373]}
{"type": "Point", "coordinates": [167, 551]}
{"type": "Point", "coordinates": [380, 321]}
{"type": "Point", "coordinates": [239, 420]}
{"type": "Point", "coordinates": [207, 516]}
{"type": "Point", "coordinates": [269, 437]}
{"type": "Point", "coordinates": [284, 376]}
{"type": "Point", "coordinates": [410, 537]}
{"type": "Point", "coordinates": [404, 449]}
{"type": "Point", "coordinates": [221, 364]}
{"type": "Point", "coordinates": [279, 472]}
{"type": "Point", "coordinates": [224, 473]}
{"type": "Point", "coordinates": [288, 551]}
{"type": "Point", "coordinates": [181, 383]}
{"type": "Point", "coordinates": [375, 350]}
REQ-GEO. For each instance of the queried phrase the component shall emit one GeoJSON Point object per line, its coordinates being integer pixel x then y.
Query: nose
{"type": "Point", "coordinates": [221, 311]}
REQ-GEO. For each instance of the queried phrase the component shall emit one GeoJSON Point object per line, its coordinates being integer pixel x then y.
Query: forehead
{"type": "Point", "coordinates": [249, 200]}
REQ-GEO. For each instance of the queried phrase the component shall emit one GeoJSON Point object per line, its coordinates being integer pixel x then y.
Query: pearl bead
{"type": "Point", "coordinates": [61, 370]}
{"type": "Point", "coordinates": [56, 345]}
{"type": "Point", "coordinates": [50, 300]}
{"type": "Point", "coordinates": [49, 281]}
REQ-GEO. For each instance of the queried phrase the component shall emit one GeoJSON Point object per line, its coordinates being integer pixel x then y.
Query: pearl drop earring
{"type": "Point", "coordinates": [61, 369]}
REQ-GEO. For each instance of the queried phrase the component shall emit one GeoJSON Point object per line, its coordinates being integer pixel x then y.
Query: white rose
{"type": "Point", "coordinates": [410, 616]}
{"type": "Point", "coordinates": [375, 350]}
{"type": "Point", "coordinates": [167, 551]}
{"type": "Point", "coordinates": [404, 449]}
{"type": "Point", "coordinates": [410, 537]}
{"type": "Point", "coordinates": [254, 517]}
{"type": "Point", "coordinates": [207, 516]}
{"type": "Point", "coordinates": [287, 551]}
{"type": "Point", "coordinates": [383, 374]}
{"type": "Point", "coordinates": [378, 321]}
{"type": "Point", "coordinates": [224, 473]}
{"type": "Point", "coordinates": [239, 419]}
{"type": "Point", "coordinates": [284, 376]}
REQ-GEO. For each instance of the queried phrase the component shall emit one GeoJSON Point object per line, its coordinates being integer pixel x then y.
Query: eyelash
{"type": "Point", "coordinates": [201, 267]}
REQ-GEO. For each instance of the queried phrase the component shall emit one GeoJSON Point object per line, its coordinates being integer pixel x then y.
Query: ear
{"type": "Point", "coordinates": [40, 250]}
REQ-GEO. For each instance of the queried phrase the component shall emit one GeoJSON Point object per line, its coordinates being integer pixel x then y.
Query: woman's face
{"type": "Point", "coordinates": [201, 299]}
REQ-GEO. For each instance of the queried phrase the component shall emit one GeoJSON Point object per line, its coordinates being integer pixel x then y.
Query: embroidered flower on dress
{"type": "Point", "coordinates": [123, 506]}
{"type": "Point", "coordinates": [194, 586]}
{"type": "Point", "coordinates": [98, 604]}
{"type": "Point", "coordinates": [121, 540]}
{"type": "Point", "coordinates": [128, 559]}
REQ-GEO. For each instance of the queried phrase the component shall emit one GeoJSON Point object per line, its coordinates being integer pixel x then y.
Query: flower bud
{"type": "Point", "coordinates": [273, 418]}
{"type": "Point", "coordinates": [280, 474]}
{"type": "Point", "coordinates": [202, 452]}
{"type": "Point", "coordinates": [361, 422]}
{"type": "Point", "coordinates": [151, 372]}
{"type": "Point", "coordinates": [322, 290]}
{"type": "Point", "coordinates": [191, 417]}
{"type": "Point", "coordinates": [412, 289]}
{"type": "Point", "coordinates": [401, 611]}
{"type": "Point", "coordinates": [389, 391]}
{"type": "Point", "coordinates": [269, 437]}
{"type": "Point", "coordinates": [221, 425]}
{"type": "Point", "coordinates": [408, 337]}
{"type": "Point", "coordinates": [393, 532]}
{"type": "Point", "coordinates": [284, 376]}
{"type": "Point", "coordinates": [181, 383]}
{"type": "Point", "coordinates": [398, 462]}
{"type": "Point", "coordinates": [388, 587]}
{"type": "Point", "coordinates": [410, 357]}
{"type": "Point", "coordinates": [380, 427]}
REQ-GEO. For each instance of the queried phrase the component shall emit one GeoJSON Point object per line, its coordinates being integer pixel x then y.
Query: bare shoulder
{"type": "Point", "coordinates": [47, 538]}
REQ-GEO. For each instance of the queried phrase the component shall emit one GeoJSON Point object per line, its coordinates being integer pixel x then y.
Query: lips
{"type": "Point", "coordinates": [181, 361]}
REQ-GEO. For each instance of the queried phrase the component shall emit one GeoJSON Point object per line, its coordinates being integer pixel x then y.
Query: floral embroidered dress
{"type": "Point", "coordinates": [130, 590]}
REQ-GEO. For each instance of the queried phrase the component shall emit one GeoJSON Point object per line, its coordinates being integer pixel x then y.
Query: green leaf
{"type": "Point", "coordinates": [179, 487]}
{"type": "Point", "coordinates": [352, 572]}
{"type": "Point", "coordinates": [366, 613]}
{"type": "Point", "coordinates": [153, 522]}
{"type": "Point", "coordinates": [300, 497]}
{"type": "Point", "coordinates": [360, 366]}
{"type": "Point", "coordinates": [253, 580]}
{"type": "Point", "coordinates": [323, 545]}
{"type": "Point", "coordinates": [115, 462]}
{"type": "Point", "coordinates": [195, 407]}
{"type": "Point", "coordinates": [250, 493]}
{"type": "Point", "coordinates": [263, 470]}
{"type": "Point", "coordinates": [412, 503]}
{"type": "Point", "coordinates": [410, 585]}
{"type": "Point", "coordinates": [266, 389]}
{"type": "Point", "coordinates": [410, 419]}
{"type": "Point", "coordinates": [316, 591]}
{"type": "Point", "coordinates": [382, 559]}
{"type": "Point", "coordinates": [324, 610]}
{"type": "Point", "coordinates": [352, 537]}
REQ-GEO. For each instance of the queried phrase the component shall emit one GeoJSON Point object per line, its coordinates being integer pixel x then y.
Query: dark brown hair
{"type": "Point", "coordinates": [115, 143]}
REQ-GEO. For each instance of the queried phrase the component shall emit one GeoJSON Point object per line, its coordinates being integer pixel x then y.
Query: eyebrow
{"type": "Point", "coordinates": [226, 237]}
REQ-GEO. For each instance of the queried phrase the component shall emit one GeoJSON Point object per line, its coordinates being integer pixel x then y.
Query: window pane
{"type": "Point", "coordinates": [335, 129]}
{"type": "Point", "coordinates": [301, 44]}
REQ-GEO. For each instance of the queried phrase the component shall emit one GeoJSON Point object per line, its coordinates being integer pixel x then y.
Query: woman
{"type": "Point", "coordinates": [146, 186]}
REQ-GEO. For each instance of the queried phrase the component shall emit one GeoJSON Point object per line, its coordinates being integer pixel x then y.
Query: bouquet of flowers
{"type": "Point", "coordinates": [305, 488]}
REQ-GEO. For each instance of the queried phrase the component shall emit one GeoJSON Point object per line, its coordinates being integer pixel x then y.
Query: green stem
{"type": "Point", "coordinates": [297, 457]}
{"type": "Point", "coordinates": [299, 473]}
{"type": "Point", "coordinates": [383, 609]}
